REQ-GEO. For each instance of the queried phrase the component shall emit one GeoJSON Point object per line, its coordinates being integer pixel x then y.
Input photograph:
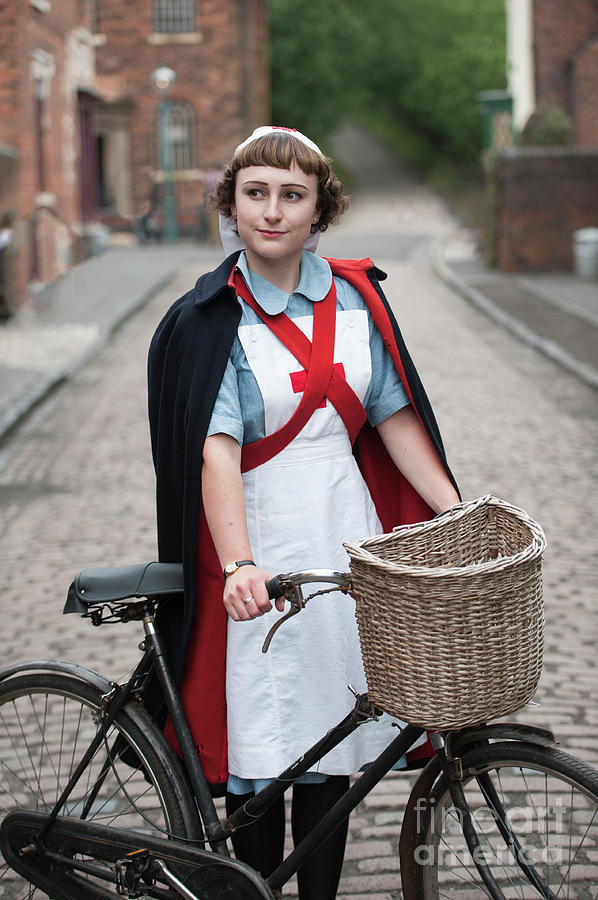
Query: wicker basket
{"type": "Point", "coordinates": [450, 614]}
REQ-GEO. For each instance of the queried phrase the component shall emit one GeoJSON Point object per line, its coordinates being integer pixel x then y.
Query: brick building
{"type": "Point", "coordinates": [566, 63]}
{"type": "Point", "coordinates": [46, 91]}
{"type": "Point", "coordinates": [544, 194]}
{"type": "Point", "coordinates": [552, 52]}
{"type": "Point", "coordinates": [217, 49]}
{"type": "Point", "coordinates": [87, 137]}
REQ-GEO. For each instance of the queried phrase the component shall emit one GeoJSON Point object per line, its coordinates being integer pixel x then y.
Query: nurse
{"type": "Point", "coordinates": [287, 417]}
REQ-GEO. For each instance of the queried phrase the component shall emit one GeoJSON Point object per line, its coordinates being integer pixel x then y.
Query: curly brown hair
{"type": "Point", "coordinates": [281, 149]}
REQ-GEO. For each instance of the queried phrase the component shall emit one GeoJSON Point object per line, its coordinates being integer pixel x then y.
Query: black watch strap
{"type": "Point", "coordinates": [231, 568]}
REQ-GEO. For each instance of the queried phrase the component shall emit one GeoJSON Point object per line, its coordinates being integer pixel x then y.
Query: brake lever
{"type": "Point", "coordinates": [297, 602]}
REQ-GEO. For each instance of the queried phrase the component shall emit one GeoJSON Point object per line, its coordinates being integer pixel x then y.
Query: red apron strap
{"type": "Point", "coordinates": [319, 371]}
{"type": "Point", "coordinates": [355, 271]}
{"type": "Point", "coordinates": [347, 404]}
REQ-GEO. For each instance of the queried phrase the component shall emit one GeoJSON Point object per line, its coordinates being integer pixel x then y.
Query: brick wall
{"type": "Point", "coordinates": [43, 64]}
{"type": "Point", "coordinates": [543, 195]}
{"type": "Point", "coordinates": [566, 62]}
{"type": "Point", "coordinates": [9, 105]}
{"type": "Point", "coordinates": [585, 93]}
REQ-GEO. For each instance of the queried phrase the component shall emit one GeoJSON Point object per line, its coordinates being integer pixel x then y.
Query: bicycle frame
{"type": "Point", "coordinates": [218, 832]}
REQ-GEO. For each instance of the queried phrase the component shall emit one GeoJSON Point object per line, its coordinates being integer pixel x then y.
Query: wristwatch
{"type": "Point", "coordinates": [231, 567]}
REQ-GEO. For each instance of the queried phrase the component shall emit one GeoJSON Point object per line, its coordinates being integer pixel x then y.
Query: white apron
{"type": "Point", "coordinates": [301, 505]}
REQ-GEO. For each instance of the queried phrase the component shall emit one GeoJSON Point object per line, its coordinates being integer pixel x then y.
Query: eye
{"type": "Point", "coordinates": [294, 196]}
{"type": "Point", "coordinates": [254, 192]}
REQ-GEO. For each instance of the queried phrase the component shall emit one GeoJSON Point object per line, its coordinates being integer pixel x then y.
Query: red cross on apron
{"type": "Point", "coordinates": [323, 379]}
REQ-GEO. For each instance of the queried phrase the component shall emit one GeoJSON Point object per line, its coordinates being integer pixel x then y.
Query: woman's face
{"type": "Point", "coordinates": [275, 209]}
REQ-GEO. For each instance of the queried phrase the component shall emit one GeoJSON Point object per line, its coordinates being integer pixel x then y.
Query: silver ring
{"type": "Point", "coordinates": [247, 600]}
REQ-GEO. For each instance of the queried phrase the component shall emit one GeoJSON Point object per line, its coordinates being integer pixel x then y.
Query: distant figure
{"type": "Point", "coordinates": [147, 226]}
{"type": "Point", "coordinates": [6, 239]}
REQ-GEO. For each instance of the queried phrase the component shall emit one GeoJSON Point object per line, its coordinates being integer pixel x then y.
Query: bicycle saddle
{"type": "Point", "coordinates": [111, 584]}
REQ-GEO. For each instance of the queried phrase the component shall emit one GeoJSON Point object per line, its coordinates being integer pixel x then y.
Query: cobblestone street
{"type": "Point", "coordinates": [77, 490]}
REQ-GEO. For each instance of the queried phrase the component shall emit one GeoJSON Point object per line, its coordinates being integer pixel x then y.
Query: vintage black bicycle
{"type": "Point", "coordinates": [95, 804]}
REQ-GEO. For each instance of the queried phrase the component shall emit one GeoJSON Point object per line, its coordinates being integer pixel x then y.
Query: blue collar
{"type": "Point", "coordinates": [314, 283]}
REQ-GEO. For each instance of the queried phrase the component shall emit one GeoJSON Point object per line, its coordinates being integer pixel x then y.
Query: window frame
{"type": "Point", "coordinates": [183, 153]}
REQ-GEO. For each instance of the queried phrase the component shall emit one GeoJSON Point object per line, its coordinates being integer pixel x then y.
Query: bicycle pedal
{"type": "Point", "coordinates": [134, 873]}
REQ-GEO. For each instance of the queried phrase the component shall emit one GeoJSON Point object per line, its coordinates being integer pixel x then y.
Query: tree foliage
{"type": "Point", "coordinates": [419, 61]}
{"type": "Point", "coordinates": [312, 45]}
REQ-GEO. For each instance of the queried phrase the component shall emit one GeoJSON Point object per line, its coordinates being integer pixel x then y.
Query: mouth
{"type": "Point", "coordinates": [266, 232]}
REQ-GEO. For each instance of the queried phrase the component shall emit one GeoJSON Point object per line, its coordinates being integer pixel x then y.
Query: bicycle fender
{"type": "Point", "coordinates": [460, 741]}
{"type": "Point", "coordinates": [410, 826]}
{"type": "Point", "coordinates": [62, 666]}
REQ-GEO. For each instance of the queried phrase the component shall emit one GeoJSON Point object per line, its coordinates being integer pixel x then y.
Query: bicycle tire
{"type": "Point", "coordinates": [47, 721]}
{"type": "Point", "coordinates": [551, 801]}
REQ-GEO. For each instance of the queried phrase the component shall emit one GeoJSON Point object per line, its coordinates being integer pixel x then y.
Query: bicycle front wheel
{"type": "Point", "coordinates": [47, 722]}
{"type": "Point", "coordinates": [535, 811]}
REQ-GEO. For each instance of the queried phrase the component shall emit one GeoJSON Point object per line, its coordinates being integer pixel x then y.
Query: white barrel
{"type": "Point", "coordinates": [585, 252]}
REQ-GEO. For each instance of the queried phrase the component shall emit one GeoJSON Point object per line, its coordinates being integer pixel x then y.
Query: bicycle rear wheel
{"type": "Point", "coordinates": [47, 721]}
{"type": "Point", "coordinates": [547, 799]}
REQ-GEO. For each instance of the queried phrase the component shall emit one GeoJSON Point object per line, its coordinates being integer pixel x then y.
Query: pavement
{"type": "Point", "coordinates": [65, 325]}
{"type": "Point", "coordinates": [554, 312]}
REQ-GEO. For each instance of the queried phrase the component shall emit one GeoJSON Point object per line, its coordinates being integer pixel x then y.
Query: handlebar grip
{"type": "Point", "coordinates": [274, 587]}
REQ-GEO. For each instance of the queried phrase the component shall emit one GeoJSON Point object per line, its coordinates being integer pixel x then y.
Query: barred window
{"type": "Point", "coordinates": [94, 16]}
{"type": "Point", "coordinates": [174, 16]}
{"type": "Point", "coordinates": [176, 129]}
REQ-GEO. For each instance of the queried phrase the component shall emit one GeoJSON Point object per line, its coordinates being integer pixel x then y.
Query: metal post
{"type": "Point", "coordinates": [170, 222]}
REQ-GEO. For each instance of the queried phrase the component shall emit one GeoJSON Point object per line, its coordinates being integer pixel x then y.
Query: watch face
{"type": "Point", "coordinates": [230, 568]}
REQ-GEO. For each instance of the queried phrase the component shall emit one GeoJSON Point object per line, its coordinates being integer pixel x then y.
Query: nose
{"type": "Point", "coordinates": [272, 211]}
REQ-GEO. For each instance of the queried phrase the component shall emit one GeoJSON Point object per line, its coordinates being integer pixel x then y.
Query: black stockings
{"type": "Point", "coordinates": [319, 876]}
{"type": "Point", "coordinates": [261, 844]}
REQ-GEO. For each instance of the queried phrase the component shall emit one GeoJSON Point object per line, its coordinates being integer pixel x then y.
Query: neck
{"type": "Point", "coordinates": [282, 273]}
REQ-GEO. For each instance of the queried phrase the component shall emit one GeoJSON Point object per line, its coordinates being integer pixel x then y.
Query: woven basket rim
{"type": "Point", "coordinates": [359, 550]}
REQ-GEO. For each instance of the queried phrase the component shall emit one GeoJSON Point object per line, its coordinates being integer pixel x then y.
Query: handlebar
{"type": "Point", "coordinates": [275, 587]}
{"type": "Point", "coordinates": [289, 586]}
{"type": "Point", "coordinates": [283, 584]}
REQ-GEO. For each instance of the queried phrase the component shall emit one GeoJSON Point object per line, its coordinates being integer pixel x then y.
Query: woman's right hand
{"type": "Point", "coordinates": [245, 596]}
